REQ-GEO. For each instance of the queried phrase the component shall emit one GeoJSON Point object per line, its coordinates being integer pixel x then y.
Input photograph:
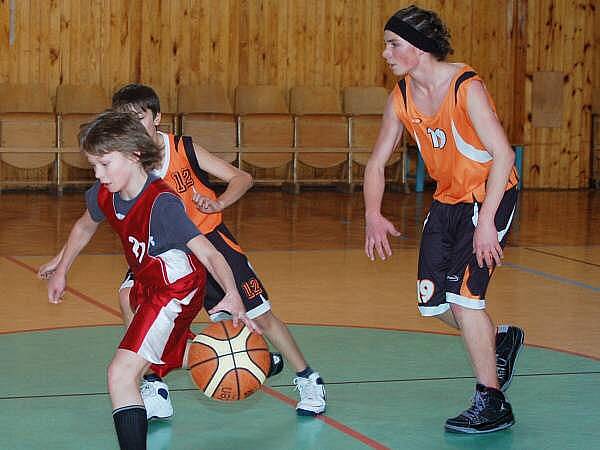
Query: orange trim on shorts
{"type": "Point", "coordinates": [464, 289]}
{"type": "Point", "coordinates": [232, 244]}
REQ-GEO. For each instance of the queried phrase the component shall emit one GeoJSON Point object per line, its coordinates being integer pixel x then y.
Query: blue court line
{"type": "Point", "coordinates": [553, 277]}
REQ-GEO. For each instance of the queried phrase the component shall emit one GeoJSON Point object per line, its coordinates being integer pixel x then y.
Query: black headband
{"type": "Point", "coordinates": [412, 35]}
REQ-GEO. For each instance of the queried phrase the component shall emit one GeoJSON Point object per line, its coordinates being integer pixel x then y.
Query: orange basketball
{"type": "Point", "coordinates": [229, 363]}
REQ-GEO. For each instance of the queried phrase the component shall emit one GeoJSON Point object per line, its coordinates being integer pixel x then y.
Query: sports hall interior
{"type": "Point", "coordinates": [292, 91]}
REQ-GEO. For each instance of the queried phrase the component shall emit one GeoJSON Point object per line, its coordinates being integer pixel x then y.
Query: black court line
{"type": "Point", "coordinates": [557, 255]}
{"type": "Point", "coordinates": [334, 383]}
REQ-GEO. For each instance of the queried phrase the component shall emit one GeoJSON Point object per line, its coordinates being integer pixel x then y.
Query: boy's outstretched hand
{"type": "Point", "coordinates": [46, 271]}
{"type": "Point", "coordinates": [232, 303]}
{"type": "Point", "coordinates": [56, 287]}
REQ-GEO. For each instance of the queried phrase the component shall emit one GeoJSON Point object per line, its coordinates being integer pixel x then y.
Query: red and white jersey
{"type": "Point", "coordinates": [451, 149]}
{"type": "Point", "coordinates": [158, 271]}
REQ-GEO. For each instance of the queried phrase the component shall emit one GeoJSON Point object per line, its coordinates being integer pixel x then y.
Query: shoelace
{"type": "Point", "coordinates": [478, 404]}
{"type": "Point", "coordinates": [146, 389]}
{"type": "Point", "coordinates": [307, 388]}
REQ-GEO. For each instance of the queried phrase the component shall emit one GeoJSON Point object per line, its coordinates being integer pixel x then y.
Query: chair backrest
{"type": "Point", "coordinates": [27, 116]}
{"type": "Point", "coordinates": [364, 100]}
{"type": "Point", "coordinates": [265, 129]}
{"type": "Point", "coordinates": [25, 98]}
{"type": "Point", "coordinates": [306, 100]}
{"type": "Point", "coordinates": [266, 99]}
{"type": "Point", "coordinates": [365, 107]}
{"type": "Point", "coordinates": [203, 99]}
{"type": "Point", "coordinates": [27, 120]}
{"type": "Point", "coordinates": [320, 121]}
{"type": "Point", "coordinates": [264, 117]}
{"type": "Point", "coordinates": [75, 105]}
{"type": "Point", "coordinates": [207, 115]}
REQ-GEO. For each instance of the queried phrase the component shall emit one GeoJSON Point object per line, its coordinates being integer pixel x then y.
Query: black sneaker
{"type": "Point", "coordinates": [489, 412]}
{"type": "Point", "coordinates": [276, 364]}
{"type": "Point", "coordinates": [509, 342]}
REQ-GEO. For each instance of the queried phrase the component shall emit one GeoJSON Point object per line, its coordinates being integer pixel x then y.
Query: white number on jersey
{"type": "Point", "coordinates": [438, 137]}
{"type": "Point", "coordinates": [138, 249]}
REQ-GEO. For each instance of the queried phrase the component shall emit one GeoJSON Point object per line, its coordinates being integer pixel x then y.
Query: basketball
{"type": "Point", "coordinates": [229, 363]}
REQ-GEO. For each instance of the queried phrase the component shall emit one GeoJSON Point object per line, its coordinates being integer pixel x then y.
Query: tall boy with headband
{"type": "Point", "coordinates": [447, 110]}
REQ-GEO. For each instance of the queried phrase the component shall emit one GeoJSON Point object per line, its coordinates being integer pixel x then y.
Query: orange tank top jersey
{"type": "Point", "coordinates": [453, 153]}
{"type": "Point", "coordinates": [185, 179]}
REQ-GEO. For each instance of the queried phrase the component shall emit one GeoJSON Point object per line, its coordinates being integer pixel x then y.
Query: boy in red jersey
{"type": "Point", "coordinates": [447, 110]}
{"type": "Point", "coordinates": [166, 252]}
{"type": "Point", "coordinates": [186, 166]}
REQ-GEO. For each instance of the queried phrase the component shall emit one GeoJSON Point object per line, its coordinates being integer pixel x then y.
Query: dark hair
{"type": "Point", "coordinates": [116, 131]}
{"type": "Point", "coordinates": [428, 23]}
{"type": "Point", "coordinates": [137, 97]}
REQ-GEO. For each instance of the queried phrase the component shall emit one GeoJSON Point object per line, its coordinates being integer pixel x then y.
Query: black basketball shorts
{"type": "Point", "coordinates": [448, 270]}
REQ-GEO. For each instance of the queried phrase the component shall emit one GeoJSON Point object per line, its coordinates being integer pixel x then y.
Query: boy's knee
{"type": "Point", "coordinates": [119, 373]}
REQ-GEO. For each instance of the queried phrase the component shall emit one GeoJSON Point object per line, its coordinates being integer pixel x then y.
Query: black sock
{"type": "Point", "coordinates": [131, 426]}
{"type": "Point", "coordinates": [305, 373]}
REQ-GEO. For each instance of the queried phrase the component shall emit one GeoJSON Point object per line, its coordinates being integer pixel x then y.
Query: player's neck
{"type": "Point", "coordinates": [430, 75]}
{"type": "Point", "coordinates": [135, 184]}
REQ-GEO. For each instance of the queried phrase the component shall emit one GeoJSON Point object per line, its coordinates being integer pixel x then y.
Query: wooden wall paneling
{"type": "Point", "coordinates": [596, 57]}
{"type": "Point", "coordinates": [531, 170]}
{"type": "Point", "coordinates": [310, 42]}
{"type": "Point", "coordinates": [4, 40]}
{"type": "Point", "coordinates": [151, 41]}
{"type": "Point", "coordinates": [232, 75]}
{"type": "Point", "coordinates": [339, 40]}
{"type": "Point", "coordinates": [518, 79]}
{"type": "Point", "coordinates": [162, 64]}
{"type": "Point", "coordinates": [134, 35]}
{"type": "Point", "coordinates": [179, 24]}
{"type": "Point", "coordinates": [22, 32]}
{"type": "Point", "coordinates": [244, 44]}
{"type": "Point", "coordinates": [117, 70]}
{"type": "Point", "coordinates": [73, 31]}
{"type": "Point", "coordinates": [221, 43]}
{"type": "Point", "coordinates": [570, 144]}
{"type": "Point", "coordinates": [283, 49]}
{"type": "Point", "coordinates": [552, 56]}
{"type": "Point", "coordinates": [591, 60]}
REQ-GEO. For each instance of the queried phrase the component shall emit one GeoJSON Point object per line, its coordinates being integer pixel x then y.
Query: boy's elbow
{"type": "Point", "coordinates": [510, 157]}
{"type": "Point", "coordinates": [248, 180]}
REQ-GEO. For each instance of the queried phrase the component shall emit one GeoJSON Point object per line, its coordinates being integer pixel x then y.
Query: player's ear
{"type": "Point", "coordinates": [157, 119]}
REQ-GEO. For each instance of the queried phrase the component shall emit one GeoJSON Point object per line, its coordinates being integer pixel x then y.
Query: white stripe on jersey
{"type": "Point", "coordinates": [176, 264]}
{"type": "Point", "coordinates": [467, 150]}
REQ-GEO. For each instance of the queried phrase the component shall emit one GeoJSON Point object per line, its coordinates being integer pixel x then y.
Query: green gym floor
{"type": "Point", "coordinates": [387, 389]}
{"type": "Point", "coordinates": [392, 376]}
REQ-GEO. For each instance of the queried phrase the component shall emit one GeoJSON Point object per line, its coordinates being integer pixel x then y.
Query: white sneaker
{"type": "Point", "coordinates": [312, 395]}
{"type": "Point", "coordinates": [157, 399]}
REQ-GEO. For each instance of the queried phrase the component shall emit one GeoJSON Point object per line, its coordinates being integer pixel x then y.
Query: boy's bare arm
{"type": "Point", "coordinates": [238, 181]}
{"type": "Point", "coordinates": [217, 266]}
{"type": "Point", "coordinates": [80, 235]}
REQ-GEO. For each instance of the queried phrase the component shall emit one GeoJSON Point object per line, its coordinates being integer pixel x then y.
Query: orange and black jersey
{"type": "Point", "coordinates": [181, 171]}
{"type": "Point", "coordinates": [453, 153]}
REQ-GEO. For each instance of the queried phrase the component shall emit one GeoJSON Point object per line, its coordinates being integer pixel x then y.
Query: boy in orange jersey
{"type": "Point", "coordinates": [164, 249]}
{"type": "Point", "coordinates": [185, 167]}
{"type": "Point", "coordinates": [447, 110]}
